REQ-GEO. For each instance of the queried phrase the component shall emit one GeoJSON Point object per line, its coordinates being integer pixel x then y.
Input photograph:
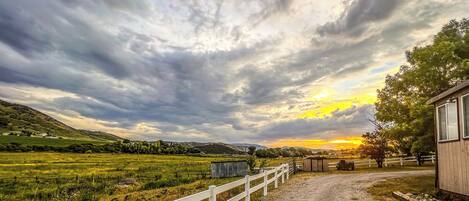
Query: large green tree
{"type": "Point", "coordinates": [431, 69]}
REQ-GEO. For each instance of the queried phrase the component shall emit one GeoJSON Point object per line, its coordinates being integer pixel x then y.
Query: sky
{"type": "Point", "coordinates": [273, 72]}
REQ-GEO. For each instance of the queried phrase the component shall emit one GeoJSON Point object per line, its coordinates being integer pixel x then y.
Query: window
{"type": "Point", "coordinates": [447, 124]}
{"type": "Point", "coordinates": [465, 115]}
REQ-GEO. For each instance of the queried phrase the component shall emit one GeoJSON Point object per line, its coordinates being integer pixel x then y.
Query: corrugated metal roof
{"type": "Point", "coordinates": [448, 92]}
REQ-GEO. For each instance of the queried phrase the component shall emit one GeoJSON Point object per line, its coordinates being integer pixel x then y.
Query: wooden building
{"type": "Point", "coordinates": [315, 164]}
{"type": "Point", "coordinates": [452, 140]}
{"type": "Point", "coordinates": [223, 169]}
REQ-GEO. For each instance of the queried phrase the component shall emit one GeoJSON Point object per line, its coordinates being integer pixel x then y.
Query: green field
{"type": "Point", "coordinates": [43, 141]}
{"type": "Point", "coordinates": [70, 176]}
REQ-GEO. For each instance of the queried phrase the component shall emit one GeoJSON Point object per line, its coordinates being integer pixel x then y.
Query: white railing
{"type": "Point", "coordinates": [282, 172]}
{"type": "Point", "coordinates": [402, 161]}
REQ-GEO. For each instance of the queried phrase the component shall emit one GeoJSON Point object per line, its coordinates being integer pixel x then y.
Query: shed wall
{"type": "Point", "coordinates": [229, 169]}
{"type": "Point", "coordinates": [315, 165]}
{"type": "Point", "coordinates": [453, 156]}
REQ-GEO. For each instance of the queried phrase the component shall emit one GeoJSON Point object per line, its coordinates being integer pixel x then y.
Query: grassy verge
{"type": "Point", "coordinates": [417, 184]}
{"type": "Point", "coordinates": [428, 166]}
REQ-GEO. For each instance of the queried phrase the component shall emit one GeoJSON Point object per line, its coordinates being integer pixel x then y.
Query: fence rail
{"type": "Point", "coordinates": [281, 173]}
{"type": "Point", "coordinates": [387, 161]}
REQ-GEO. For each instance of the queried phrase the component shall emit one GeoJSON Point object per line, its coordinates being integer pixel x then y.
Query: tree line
{"type": "Point", "coordinates": [126, 146]}
{"type": "Point", "coordinates": [403, 120]}
{"type": "Point", "coordinates": [284, 152]}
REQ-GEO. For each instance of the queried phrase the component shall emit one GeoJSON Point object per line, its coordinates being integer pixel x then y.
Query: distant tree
{"type": "Point", "coordinates": [422, 146]}
{"type": "Point", "coordinates": [252, 162]}
{"type": "Point", "coordinates": [375, 145]}
{"type": "Point", "coordinates": [126, 141]}
{"type": "Point", "coordinates": [251, 150]}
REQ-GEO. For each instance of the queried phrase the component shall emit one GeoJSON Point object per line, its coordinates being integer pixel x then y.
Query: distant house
{"type": "Point", "coordinates": [452, 139]}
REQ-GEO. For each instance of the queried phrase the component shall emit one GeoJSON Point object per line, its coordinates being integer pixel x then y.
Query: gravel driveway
{"type": "Point", "coordinates": [335, 186]}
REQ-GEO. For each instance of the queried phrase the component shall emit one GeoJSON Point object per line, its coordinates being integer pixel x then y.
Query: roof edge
{"type": "Point", "coordinates": [448, 92]}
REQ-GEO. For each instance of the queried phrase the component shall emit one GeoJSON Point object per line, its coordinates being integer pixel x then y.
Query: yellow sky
{"type": "Point", "coordinates": [337, 94]}
{"type": "Point", "coordinates": [338, 143]}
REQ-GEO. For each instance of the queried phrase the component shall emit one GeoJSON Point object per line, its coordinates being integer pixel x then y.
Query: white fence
{"type": "Point", "coordinates": [282, 171]}
{"type": "Point", "coordinates": [388, 161]}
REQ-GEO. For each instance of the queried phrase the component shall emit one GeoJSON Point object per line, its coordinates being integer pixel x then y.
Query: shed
{"type": "Point", "coordinates": [452, 140]}
{"type": "Point", "coordinates": [315, 164]}
{"type": "Point", "coordinates": [223, 169]}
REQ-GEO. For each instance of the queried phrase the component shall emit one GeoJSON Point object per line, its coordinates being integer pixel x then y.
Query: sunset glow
{"type": "Point", "coordinates": [345, 143]}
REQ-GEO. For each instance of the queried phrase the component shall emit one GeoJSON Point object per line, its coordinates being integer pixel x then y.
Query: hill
{"type": "Point", "coordinates": [218, 148]}
{"type": "Point", "coordinates": [99, 135]}
{"type": "Point", "coordinates": [16, 119]}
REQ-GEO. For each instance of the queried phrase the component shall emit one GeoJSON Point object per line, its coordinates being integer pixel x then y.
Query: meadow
{"type": "Point", "coordinates": [72, 176]}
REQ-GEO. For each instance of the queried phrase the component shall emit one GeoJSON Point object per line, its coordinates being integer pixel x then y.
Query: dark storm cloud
{"type": "Point", "coordinates": [355, 20]}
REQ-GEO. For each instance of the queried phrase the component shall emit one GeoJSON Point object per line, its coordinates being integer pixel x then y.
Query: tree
{"type": "Point", "coordinates": [252, 162]}
{"type": "Point", "coordinates": [431, 69]}
{"type": "Point", "coordinates": [251, 150]}
{"type": "Point", "coordinates": [375, 144]}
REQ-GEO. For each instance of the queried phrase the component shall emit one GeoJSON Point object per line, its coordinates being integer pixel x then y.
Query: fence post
{"type": "Point", "coordinates": [247, 186]}
{"type": "Point", "coordinates": [385, 162]}
{"type": "Point", "coordinates": [283, 173]}
{"type": "Point", "coordinates": [266, 185]}
{"type": "Point", "coordinates": [416, 160]}
{"type": "Point", "coordinates": [294, 165]}
{"type": "Point", "coordinates": [433, 159]}
{"type": "Point", "coordinates": [369, 162]}
{"type": "Point", "coordinates": [402, 162]}
{"type": "Point", "coordinates": [213, 195]}
{"type": "Point", "coordinates": [288, 171]}
{"type": "Point", "coordinates": [276, 178]}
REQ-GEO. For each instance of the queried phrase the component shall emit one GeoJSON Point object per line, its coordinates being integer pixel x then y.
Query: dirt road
{"type": "Point", "coordinates": [335, 186]}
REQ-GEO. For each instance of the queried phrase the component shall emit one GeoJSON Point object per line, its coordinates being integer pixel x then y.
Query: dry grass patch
{"type": "Point", "coordinates": [382, 190]}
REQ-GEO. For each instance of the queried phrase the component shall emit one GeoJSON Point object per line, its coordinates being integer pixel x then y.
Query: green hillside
{"type": "Point", "coordinates": [38, 141]}
{"type": "Point", "coordinates": [101, 135]}
{"type": "Point", "coordinates": [20, 120]}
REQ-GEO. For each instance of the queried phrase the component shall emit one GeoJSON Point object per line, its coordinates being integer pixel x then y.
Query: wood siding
{"type": "Point", "coordinates": [314, 165]}
{"type": "Point", "coordinates": [453, 156]}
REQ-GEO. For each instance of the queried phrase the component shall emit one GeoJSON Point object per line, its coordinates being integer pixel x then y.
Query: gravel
{"type": "Point", "coordinates": [335, 186]}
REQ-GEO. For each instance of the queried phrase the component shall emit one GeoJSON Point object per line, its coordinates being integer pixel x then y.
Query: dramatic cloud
{"type": "Point", "coordinates": [230, 71]}
{"type": "Point", "coordinates": [358, 17]}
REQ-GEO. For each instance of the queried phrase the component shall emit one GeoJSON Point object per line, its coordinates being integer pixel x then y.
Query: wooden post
{"type": "Point", "coordinates": [385, 162]}
{"type": "Point", "coordinates": [369, 162]}
{"type": "Point", "coordinates": [213, 195]}
{"type": "Point", "coordinates": [416, 160]}
{"type": "Point", "coordinates": [283, 173]}
{"type": "Point", "coordinates": [266, 185]}
{"type": "Point", "coordinates": [294, 166]}
{"type": "Point", "coordinates": [247, 186]}
{"type": "Point", "coordinates": [288, 171]}
{"type": "Point", "coordinates": [276, 178]}
{"type": "Point", "coordinates": [433, 159]}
